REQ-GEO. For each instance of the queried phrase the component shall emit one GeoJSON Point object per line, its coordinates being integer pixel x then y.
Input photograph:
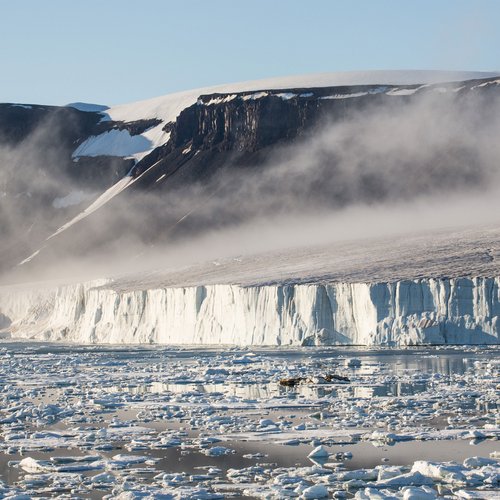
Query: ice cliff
{"type": "Point", "coordinates": [409, 312]}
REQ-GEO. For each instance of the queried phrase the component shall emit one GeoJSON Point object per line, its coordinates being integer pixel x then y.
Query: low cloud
{"type": "Point", "coordinates": [394, 168]}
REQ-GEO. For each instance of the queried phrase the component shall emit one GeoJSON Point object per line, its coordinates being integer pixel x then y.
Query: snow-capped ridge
{"type": "Point", "coordinates": [168, 107]}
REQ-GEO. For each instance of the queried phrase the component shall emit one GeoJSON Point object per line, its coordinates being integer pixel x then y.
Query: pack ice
{"type": "Point", "coordinates": [406, 312]}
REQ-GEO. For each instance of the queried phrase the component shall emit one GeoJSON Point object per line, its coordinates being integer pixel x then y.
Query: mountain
{"type": "Point", "coordinates": [73, 175]}
{"type": "Point", "coordinates": [309, 210]}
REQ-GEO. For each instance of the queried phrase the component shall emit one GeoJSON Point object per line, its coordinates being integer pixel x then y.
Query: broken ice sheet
{"type": "Point", "coordinates": [207, 423]}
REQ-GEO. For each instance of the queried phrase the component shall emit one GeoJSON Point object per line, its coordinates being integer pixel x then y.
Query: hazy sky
{"type": "Point", "coordinates": [114, 51]}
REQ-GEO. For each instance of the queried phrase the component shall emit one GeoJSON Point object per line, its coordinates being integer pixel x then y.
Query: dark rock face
{"type": "Point", "coordinates": [249, 125]}
{"type": "Point", "coordinates": [241, 125]}
{"type": "Point", "coordinates": [36, 167]}
{"type": "Point", "coordinates": [17, 122]}
{"type": "Point", "coordinates": [240, 130]}
{"type": "Point", "coordinates": [58, 131]}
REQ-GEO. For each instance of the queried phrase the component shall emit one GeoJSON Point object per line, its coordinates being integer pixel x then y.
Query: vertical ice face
{"type": "Point", "coordinates": [426, 311]}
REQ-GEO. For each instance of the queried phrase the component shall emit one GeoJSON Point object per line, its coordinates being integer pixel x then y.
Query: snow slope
{"type": "Point", "coordinates": [166, 108]}
{"type": "Point", "coordinates": [114, 143]}
{"type": "Point", "coordinates": [76, 198]}
{"type": "Point", "coordinates": [108, 195]}
{"type": "Point", "coordinates": [101, 200]}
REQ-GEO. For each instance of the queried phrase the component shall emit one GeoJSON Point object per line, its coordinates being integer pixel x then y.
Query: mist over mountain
{"type": "Point", "coordinates": [299, 160]}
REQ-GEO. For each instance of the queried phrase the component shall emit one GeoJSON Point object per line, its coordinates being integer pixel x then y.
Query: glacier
{"type": "Point", "coordinates": [404, 312]}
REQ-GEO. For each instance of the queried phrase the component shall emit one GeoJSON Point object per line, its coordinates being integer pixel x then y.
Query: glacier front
{"type": "Point", "coordinates": [404, 312]}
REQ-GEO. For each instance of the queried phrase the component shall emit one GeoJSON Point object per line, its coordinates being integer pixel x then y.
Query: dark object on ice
{"type": "Point", "coordinates": [329, 377]}
{"type": "Point", "coordinates": [291, 382]}
{"type": "Point", "coordinates": [333, 376]}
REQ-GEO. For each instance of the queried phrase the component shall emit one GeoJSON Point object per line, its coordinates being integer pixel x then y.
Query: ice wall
{"type": "Point", "coordinates": [434, 311]}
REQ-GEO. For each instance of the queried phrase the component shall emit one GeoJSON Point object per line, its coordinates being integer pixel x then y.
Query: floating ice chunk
{"type": "Point", "coordinates": [479, 495]}
{"type": "Point", "coordinates": [217, 451]}
{"type": "Point", "coordinates": [50, 409]}
{"type": "Point", "coordinates": [69, 460]}
{"type": "Point", "coordinates": [413, 478]}
{"type": "Point", "coordinates": [373, 494]}
{"type": "Point", "coordinates": [316, 491]}
{"type": "Point", "coordinates": [254, 456]}
{"type": "Point", "coordinates": [187, 493]}
{"type": "Point", "coordinates": [245, 359]}
{"type": "Point", "coordinates": [475, 434]}
{"type": "Point", "coordinates": [388, 471]}
{"type": "Point", "coordinates": [447, 472]}
{"type": "Point", "coordinates": [36, 481]}
{"type": "Point", "coordinates": [363, 474]}
{"type": "Point", "coordinates": [31, 465]}
{"type": "Point", "coordinates": [291, 442]}
{"type": "Point", "coordinates": [384, 437]}
{"type": "Point", "coordinates": [209, 440]}
{"type": "Point", "coordinates": [103, 447]}
{"type": "Point", "coordinates": [104, 478]}
{"type": "Point", "coordinates": [415, 493]}
{"type": "Point", "coordinates": [474, 462]}
{"type": "Point", "coordinates": [11, 436]}
{"type": "Point", "coordinates": [265, 422]}
{"type": "Point", "coordinates": [319, 452]}
{"type": "Point", "coordinates": [80, 467]}
{"type": "Point", "coordinates": [216, 371]}
{"type": "Point", "coordinates": [119, 461]}
{"type": "Point", "coordinates": [199, 477]}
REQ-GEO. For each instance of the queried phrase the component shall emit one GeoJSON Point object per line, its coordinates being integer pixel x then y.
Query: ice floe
{"type": "Point", "coordinates": [184, 423]}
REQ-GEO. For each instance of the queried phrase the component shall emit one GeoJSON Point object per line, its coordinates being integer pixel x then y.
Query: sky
{"type": "Point", "coordinates": [118, 51]}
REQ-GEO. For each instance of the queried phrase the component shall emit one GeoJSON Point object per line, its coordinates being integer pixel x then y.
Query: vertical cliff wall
{"type": "Point", "coordinates": [427, 311]}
